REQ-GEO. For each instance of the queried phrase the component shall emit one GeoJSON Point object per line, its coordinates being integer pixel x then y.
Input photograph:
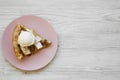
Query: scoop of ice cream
{"type": "Point", "coordinates": [26, 38]}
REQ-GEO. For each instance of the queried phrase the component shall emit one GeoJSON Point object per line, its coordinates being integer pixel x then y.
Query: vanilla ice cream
{"type": "Point", "coordinates": [26, 38]}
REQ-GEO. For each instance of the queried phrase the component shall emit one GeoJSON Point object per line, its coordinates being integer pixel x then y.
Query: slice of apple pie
{"type": "Point", "coordinates": [26, 41]}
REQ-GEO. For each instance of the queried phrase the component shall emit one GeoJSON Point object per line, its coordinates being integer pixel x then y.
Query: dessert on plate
{"type": "Point", "coordinates": [27, 42]}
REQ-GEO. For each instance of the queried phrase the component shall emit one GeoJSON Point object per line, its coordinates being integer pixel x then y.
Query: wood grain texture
{"type": "Point", "coordinates": [89, 38]}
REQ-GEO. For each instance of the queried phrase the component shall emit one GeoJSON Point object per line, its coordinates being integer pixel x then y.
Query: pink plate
{"type": "Point", "coordinates": [35, 61]}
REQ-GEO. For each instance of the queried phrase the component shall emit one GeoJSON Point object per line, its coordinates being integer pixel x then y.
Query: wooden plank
{"type": "Point", "coordinates": [88, 32]}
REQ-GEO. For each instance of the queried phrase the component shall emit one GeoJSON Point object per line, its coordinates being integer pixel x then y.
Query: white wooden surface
{"type": "Point", "coordinates": [89, 38]}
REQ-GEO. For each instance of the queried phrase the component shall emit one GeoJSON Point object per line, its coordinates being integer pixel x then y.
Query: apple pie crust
{"type": "Point", "coordinates": [17, 48]}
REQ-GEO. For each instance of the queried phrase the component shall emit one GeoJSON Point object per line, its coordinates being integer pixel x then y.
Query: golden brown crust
{"type": "Point", "coordinates": [16, 48]}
